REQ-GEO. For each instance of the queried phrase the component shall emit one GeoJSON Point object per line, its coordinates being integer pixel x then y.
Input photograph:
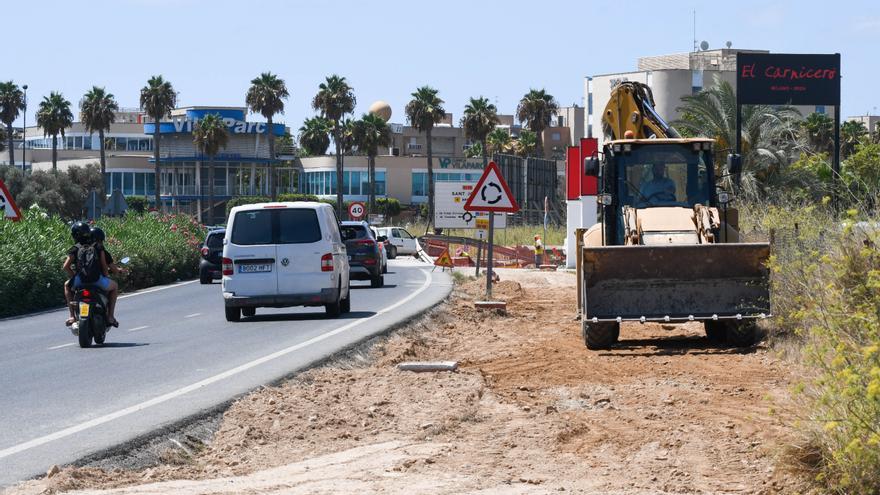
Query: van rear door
{"type": "Point", "coordinates": [301, 243]}
{"type": "Point", "coordinates": [252, 251]}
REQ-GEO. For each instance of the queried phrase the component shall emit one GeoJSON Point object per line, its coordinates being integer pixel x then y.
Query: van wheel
{"type": "Point", "coordinates": [233, 314]}
{"type": "Point", "coordinates": [205, 277]}
{"type": "Point", "coordinates": [392, 252]}
{"type": "Point", "coordinates": [345, 304]}
{"type": "Point", "coordinates": [248, 312]}
{"type": "Point", "coordinates": [333, 309]}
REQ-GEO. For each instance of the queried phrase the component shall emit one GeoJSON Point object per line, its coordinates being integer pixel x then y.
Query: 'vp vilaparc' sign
{"type": "Point", "coordinates": [787, 79]}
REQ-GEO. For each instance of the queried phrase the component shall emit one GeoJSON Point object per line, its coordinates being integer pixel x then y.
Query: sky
{"type": "Point", "coordinates": [211, 49]}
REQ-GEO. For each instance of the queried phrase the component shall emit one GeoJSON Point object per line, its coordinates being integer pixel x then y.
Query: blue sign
{"type": "Point", "coordinates": [233, 118]}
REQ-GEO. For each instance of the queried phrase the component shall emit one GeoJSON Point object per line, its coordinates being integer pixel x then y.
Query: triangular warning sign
{"type": "Point", "coordinates": [491, 193]}
{"type": "Point", "coordinates": [444, 259]}
{"type": "Point", "coordinates": [8, 208]}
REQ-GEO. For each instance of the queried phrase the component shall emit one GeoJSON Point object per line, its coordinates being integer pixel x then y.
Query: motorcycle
{"type": "Point", "coordinates": [91, 303]}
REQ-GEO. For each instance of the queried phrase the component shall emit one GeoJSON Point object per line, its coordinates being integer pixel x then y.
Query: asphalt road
{"type": "Point", "coordinates": [173, 356]}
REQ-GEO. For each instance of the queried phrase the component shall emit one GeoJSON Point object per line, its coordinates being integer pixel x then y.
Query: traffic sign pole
{"type": "Point", "coordinates": [489, 261]}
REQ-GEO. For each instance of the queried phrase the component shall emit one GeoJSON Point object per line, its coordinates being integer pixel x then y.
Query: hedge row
{"type": "Point", "coordinates": [162, 248]}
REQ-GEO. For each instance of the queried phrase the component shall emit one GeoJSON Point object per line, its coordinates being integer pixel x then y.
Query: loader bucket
{"type": "Point", "coordinates": [676, 281]}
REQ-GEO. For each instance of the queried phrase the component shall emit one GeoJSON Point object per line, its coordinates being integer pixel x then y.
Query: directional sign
{"type": "Point", "coordinates": [8, 208]}
{"type": "Point", "coordinates": [444, 259]}
{"type": "Point", "coordinates": [491, 193]}
{"type": "Point", "coordinates": [357, 210]}
{"type": "Point", "coordinates": [449, 212]}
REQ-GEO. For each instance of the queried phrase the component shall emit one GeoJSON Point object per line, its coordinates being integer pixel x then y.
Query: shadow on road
{"type": "Point", "coordinates": [121, 344]}
{"type": "Point", "coordinates": [306, 316]}
{"type": "Point", "coordinates": [386, 286]}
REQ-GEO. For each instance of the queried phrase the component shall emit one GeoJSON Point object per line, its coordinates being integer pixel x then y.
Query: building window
{"type": "Point", "coordinates": [820, 109]}
{"type": "Point", "coordinates": [555, 136]}
{"type": "Point", "coordinates": [419, 184]}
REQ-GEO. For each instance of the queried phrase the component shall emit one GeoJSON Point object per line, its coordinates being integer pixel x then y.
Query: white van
{"type": "Point", "coordinates": [284, 254]}
{"type": "Point", "coordinates": [402, 242]}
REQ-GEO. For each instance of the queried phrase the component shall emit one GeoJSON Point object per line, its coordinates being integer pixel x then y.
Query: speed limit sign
{"type": "Point", "coordinates": [356, 210]}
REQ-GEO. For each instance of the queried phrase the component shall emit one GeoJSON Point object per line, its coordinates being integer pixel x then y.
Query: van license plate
{"type": "Point", "coordinates": [254, 268]}
{"type": "Point", "coordinates": [84, 310]}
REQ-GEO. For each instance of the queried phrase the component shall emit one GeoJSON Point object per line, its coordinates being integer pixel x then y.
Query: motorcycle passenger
{"type": "Point", "coordinates": [92, 268]}
{"type": "Point", "coordinates": [98, 237]}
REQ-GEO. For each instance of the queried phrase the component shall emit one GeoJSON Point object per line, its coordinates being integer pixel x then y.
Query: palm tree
{"type": "Point", "coordinates": [535, 109]}
{"type": "Point", "coordinates": [480, 118]}
{"type": "Point", "coordinates": [527, 143]}
{"type": "Point", "coordinates": [851, 134]}
{"type": "Point", "coordinates": [368, 134]}
{"type": "Point", "coordinates": [11, 104]}
{"type": "Point", "coordinates": [97, 110]}
{"type": "Point", "coordinates": [499, 141]}
{"type": "Point", "coordinates": [818, 129]}
{"type": "Point", "coordinates": [334, 99]}
{"type": "Point", "coordinates": [266, 96]}
{"type": "Point", "coordinates": [314, 136]}
{"type": "Point", "coordinates": [768, 132]}
{"type": "Point", "coordinates": [158, 98]}
{"type": "Point", "coordinates": [54, 116]}
{"type": "Point", "coordinates": [423, 111]}
{"type": "Point", "coordinates": [210, 135]}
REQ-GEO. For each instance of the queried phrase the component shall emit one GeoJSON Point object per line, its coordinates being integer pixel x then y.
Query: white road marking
{"type": "Point", "coordinates": [157, 289]}
{"type": "Point", "coordinates": [135, 329]}
{"type": "Point", "coordinates": [62, 345]}
{"type": "Point", "coordinates": [36, 442]}
{"type": "Point", "coordinates": [192, 315]}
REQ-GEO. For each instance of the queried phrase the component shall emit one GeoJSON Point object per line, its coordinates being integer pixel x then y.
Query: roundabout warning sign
{"type": "Point", "coordinates": [8, 208]}
{"type": "Point", "coordinates": [492, 193]}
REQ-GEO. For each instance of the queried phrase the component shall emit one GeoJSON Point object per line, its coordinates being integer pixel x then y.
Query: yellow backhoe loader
{"type": "Point", "coordinates": [666, 248]}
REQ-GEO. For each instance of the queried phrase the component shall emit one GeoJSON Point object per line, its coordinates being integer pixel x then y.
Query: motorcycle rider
{"type": "Point", "coordinates": [82, 236]}
{"type": "Point", "coordinates": [98, 237]}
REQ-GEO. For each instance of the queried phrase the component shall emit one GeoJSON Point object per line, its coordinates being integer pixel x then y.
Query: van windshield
{"type": "Point", "coordinates": [276, 226]}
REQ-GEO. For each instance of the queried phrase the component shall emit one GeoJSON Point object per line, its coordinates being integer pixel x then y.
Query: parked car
{"type": "Point", "coordinates": [284, 254]}
{"type": "Point", "coordinates": [212, 253]}
{"type": "Point", "coordinates": [402, 242]}
{"type": "Point", "coordinates": [383, 247]}
{"type": "Point", "coordinates": [364, 253]}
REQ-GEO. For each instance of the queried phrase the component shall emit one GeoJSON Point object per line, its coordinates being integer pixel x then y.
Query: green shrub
{"type": "Point", "coordinates": [297, 197]}
{"type": "Point", "coordinates": [245, 200]}
{"type": "Point", "coordinates": [162, 248]}
{"type": "Point", "coordinates": [137, 204]}
{"type": "Point", "coordinates": [826, 293]}
{"type": "Point", "coordinates": [390, 207]}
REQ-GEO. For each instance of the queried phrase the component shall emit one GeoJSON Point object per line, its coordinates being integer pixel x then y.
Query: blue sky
{"type": "Point", "coordinates": [211, 49]}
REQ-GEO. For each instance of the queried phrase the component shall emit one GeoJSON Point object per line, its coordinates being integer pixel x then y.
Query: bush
{"type": "Point", "coordinates": [390, 207]}
{"type": "Point", "coordinates": [162, 249]}
{"type": "Point", "coordinates": [245, 200]}
{"type": "Point", "coordinates": [58, 193]}
{"type": "Point", "coordinates": [137, 204]}
{"type": "Point", "coordinates": [826, 292]}
{"type": "Point", "coordinates": [297, 197]}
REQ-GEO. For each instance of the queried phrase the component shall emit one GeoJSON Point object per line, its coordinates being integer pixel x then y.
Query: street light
{"type": "Point", "coordinates": [24, 132]}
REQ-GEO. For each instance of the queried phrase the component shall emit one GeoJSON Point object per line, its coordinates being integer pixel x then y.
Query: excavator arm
{"type": "Point", "coordinates": [631, 108]}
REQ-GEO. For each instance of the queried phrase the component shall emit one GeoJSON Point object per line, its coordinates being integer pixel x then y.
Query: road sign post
{"type": "Point", "coordinates": [492, 195]}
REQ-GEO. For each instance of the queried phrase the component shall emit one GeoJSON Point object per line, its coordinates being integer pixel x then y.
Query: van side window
{"type": "Point", "coordinates": [395, 233]}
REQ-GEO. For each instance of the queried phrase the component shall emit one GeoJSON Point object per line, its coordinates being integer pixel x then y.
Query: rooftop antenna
{"type": "Point", "coordinates": [695, 30]}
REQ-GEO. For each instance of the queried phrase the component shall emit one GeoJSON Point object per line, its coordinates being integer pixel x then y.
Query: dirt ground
{"type": "Point", "coordinates": [530, 410]}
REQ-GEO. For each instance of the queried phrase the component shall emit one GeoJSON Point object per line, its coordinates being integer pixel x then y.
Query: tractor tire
{"type": "Point", "coordinates": [600, 335]}
{"type": "Point", "coordinates": [742, 333]}
{"type": "Point", "coordinates": [716, 331]}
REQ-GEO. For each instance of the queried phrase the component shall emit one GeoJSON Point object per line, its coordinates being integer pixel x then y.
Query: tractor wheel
{"type": "Point", "coordinates": [716, 331]}
{"type": "Point", "coordinates": [600, 335]}
{"type": "Point", "coordinates": [741, 334]}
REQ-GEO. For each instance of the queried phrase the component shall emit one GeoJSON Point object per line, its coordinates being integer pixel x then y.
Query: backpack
{"type": "Point", "coordinates": [88, 264]}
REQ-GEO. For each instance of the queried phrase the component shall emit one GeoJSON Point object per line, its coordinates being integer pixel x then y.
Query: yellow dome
{"type": "Point", "coordinates": [381, 109]}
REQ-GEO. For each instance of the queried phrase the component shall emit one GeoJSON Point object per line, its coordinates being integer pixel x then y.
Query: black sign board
{"type": "Point", "coordinates": [787, 79]}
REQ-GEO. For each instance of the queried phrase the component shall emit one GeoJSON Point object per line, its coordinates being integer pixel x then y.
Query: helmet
{"type": "Point", "coordinates": [98, 234]}
{"type": "Point", "coordinates": [81, 232]}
